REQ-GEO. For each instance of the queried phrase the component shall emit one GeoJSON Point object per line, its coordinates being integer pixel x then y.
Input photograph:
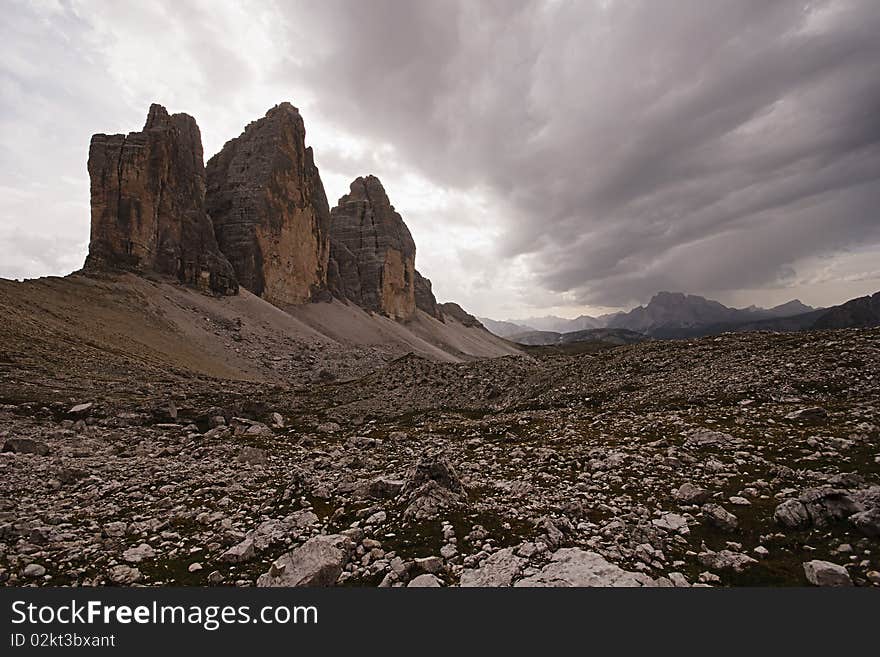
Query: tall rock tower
{"type": "Point", "coordinates": [148, 204]}
{"type": "Point", "coordinates": [270, 211]}
{"type": "Point", "coordinates": [372, 251]}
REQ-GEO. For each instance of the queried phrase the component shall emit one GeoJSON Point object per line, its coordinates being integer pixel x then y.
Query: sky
{"type": "Point", "coordinates": [549, 157]}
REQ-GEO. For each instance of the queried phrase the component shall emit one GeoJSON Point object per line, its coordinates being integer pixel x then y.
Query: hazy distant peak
{"type": "Point", "coordinates": [793, 307]}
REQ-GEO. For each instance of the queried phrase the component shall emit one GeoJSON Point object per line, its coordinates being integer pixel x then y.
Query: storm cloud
{"type": "Point", "coordinates": [576, 154]}
{"type": "Point", "coordinates": [643, 146]}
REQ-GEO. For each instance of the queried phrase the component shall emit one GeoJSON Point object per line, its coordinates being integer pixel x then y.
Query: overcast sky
{"type": "Point", "coordinates": [548, 157]}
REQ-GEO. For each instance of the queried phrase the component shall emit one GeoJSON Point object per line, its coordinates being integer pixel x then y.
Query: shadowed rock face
{"type": "Point", "coordinates": [148, 204]}
{"type": "Point", "coordinates": [458, 313]}
{"type": "Point", "coordinates": [373, 252]}
{"type": "Point", "coordinates": [425, 299]}
{"type": "Point", "coordinates": [269, 209]}
{"type": "Point", "coordinates": [862, 312]}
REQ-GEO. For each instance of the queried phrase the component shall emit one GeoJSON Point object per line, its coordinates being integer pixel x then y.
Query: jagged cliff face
{"type": "Point", "coordinates": [451, 309]}
{"type": "Point", "coordinates": [148, 204]}
{"type": "Point", "coordinates": [425, 299]}
{"type": "Point", "coordinates": [269, 209]}
{"type": "Point", "coordinates": [372, 251]}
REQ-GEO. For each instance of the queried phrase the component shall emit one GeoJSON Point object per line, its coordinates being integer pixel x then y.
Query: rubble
{"type": "Point", "coordinates": [578, 473]}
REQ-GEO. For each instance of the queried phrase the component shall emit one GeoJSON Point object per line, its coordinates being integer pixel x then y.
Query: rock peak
{"type": "Point", "coordinates": [269, 209]}
{"type": "Point", "coordinates": [373, 252]}
{"type": "Point", "coordinates": [368, 188]}
{"type": "Point", "coordinates": [157, 117]}
{"type": "Point", "coordinates": [669, 296]}
{"type": "Point", "coordinates": [283, 107]}
{"type": "Point", "coordinates": [148, 204]}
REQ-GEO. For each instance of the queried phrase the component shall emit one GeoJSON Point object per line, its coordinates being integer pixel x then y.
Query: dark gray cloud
{"type": "Point", "coordinates": [641, 145]}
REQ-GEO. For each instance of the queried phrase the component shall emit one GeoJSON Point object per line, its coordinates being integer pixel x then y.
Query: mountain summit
{"type": "Point", "coordinates": [269, 209]}
{"type": "Point", "coordinates": [373, 252]}
{"type": "Point", "coordinates": [148, 204]}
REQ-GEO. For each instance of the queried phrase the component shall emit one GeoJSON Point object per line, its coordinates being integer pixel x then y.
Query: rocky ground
{"type": "Point", "coordinates": [747, 459]}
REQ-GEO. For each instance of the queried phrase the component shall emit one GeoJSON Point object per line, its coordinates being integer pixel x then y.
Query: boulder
{"type": "Point", "coordinates": [240, 552]}
{"type": "Point", "coordinates": [816, 507]}
{"type": "Point", "coordinates": [424, 581]}
{"type": "Point", "coordinates": [500, 569]}
{"type": "Point", "coordinates": [719, 517]}
{"type": "Point", "coordinates": [433, 468]}
{"type": "Point", "coordinates": [867, 522]}
{"type": "Point", "coordinates": [814, 414]}
{"type": "Point", "coordinates": [123, 575]}
{"type": "Point", "coordinates": [432, 564]}
{"type": "Point", "coordinates": [706, 439]}
{"type": "Point", "coordinates": [165, 412]}
{"type": "Point", "coordinates": [828, 505]}
{"type": "Point", "coordinates": [825, 573]}
{"type": "Point", "coordinates": [687, 493]}
{"type": "Point", "coordinates": [381, 488]}
{"type": "Point", "coordinates": [726, 560]}
{"type": "Point", "coordinates": [138, 553]}
{"type": "Point", "coordinates": [792, 514]}
{"type": "Point", "coordinates": [80, 410]}
{"type": "Point", "coordinates": [432, 486]}
{"type": "Point", "coordinates": [577, 567]}
{"type": "Point", "coordinates": [672, 522]}
{"type": "Point", "coordinates": [34, 570]}
{"type": "Point", "coordinates": [317, 562]}
{"type": "Point", "coordinates": [553, 531]}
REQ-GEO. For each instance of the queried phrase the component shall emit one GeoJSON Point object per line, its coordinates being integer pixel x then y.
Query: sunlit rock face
{"type": "Point", "coordinates": [148, 204]}
{"type": "Point", "coordinates": [270, 211]}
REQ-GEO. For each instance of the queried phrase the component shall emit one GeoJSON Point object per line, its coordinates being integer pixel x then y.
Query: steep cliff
{"type": "Point", "coordinates": [269, 209]}
{"type": "Point", "coordinates": [148, 204]}
{"type": "Point", "coordinates": [372, 251]}
{"type": "Point", "coordinates": [425, 299]}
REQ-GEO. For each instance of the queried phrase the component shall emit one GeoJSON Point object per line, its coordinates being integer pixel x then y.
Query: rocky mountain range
{"type": "Point", "coordinates": [671, 315]}
{"type": "Point", "coordinates": [677, 315]}
{"type": "Point", "coordinates": [504, 329]}
{"type": "Point", "coordinates": [546, 323]}
{"type": "Point", "coordinates": [256, 216]}
{"type": "Point", "coordinates": [863, 312]}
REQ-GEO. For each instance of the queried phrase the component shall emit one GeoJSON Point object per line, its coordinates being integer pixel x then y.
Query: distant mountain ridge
{"type": "Point", "coordinates": [503, 329]}
{"type": "Point", "coordinates": [667, 311]}
{"type": "Point", "coordinates": [679, 315]}
{"type": "Point", "coordinates": [674, 314]}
